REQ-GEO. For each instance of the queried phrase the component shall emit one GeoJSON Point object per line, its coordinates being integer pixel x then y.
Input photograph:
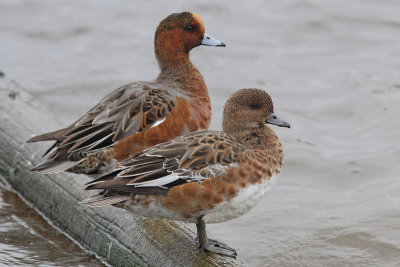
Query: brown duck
{"type": "Point", "coordinates": [140, 114]}
{"type": "Point", "coordinates": [204, 176]}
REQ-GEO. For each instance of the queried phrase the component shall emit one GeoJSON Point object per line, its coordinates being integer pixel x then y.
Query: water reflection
{"type": "Point", "coordinates": [27, 239]}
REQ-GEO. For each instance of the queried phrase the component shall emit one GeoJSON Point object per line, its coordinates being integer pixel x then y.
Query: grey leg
{"type": "Point", "coordinates": [210, 244]}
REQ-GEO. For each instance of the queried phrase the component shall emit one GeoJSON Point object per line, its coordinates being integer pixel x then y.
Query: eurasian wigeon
{"type": "Point", "coordinates": [204, 176]}
{"type": "Point", "coordinates": [140, 114]}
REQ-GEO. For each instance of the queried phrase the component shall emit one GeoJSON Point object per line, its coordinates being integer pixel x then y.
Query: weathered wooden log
{"type": "Point", "coordinates": [116, 236]}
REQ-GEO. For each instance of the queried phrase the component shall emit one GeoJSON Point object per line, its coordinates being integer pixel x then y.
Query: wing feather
{"type": "Point", "coordinates": [184, 159]}
{"type": "Point", "coordinates": [130, 109]}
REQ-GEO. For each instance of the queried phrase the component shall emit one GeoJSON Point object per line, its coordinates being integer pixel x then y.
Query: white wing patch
{"type": "Point", "coordinates": [157, 123]}
{"type": "Point", "coordinates": [188, 175]}
{"type": "Point", "coordinates": [158, 182]}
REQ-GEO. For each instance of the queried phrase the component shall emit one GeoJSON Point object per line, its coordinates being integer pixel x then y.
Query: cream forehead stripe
{"type": "Point", "coordinates": [197, 18]}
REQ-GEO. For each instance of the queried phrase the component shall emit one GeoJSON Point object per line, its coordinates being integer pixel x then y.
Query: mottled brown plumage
{"type": "Point", "coordinates": [204, 176]}
{"type": "Point", "coordinates": [140, 114]}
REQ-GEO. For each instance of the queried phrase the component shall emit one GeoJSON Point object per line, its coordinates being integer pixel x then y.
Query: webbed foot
{"type": "Point", "coordinates": [219, 248]}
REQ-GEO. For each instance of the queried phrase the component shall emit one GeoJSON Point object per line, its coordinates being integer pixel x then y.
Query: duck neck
{"type": "Point", "coordinates": [172, 59]}
{"type": "Point", "coordinates": [180, 71]}
{"type": "Point", "coordinates": [263, 138]}
{"type": "Point", "coordinates": [176, 67]}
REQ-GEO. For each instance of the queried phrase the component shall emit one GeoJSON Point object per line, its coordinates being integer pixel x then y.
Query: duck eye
{"type": "Point", "coordinates": [255, 106]}
{"type": "Point", "coordinates": [189, 28]}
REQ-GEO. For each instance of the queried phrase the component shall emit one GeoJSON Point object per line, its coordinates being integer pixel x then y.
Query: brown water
{"type": "Point", "coordinates": [27, 239]}
{"type": "Point", "coordinates": [331, 67]}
